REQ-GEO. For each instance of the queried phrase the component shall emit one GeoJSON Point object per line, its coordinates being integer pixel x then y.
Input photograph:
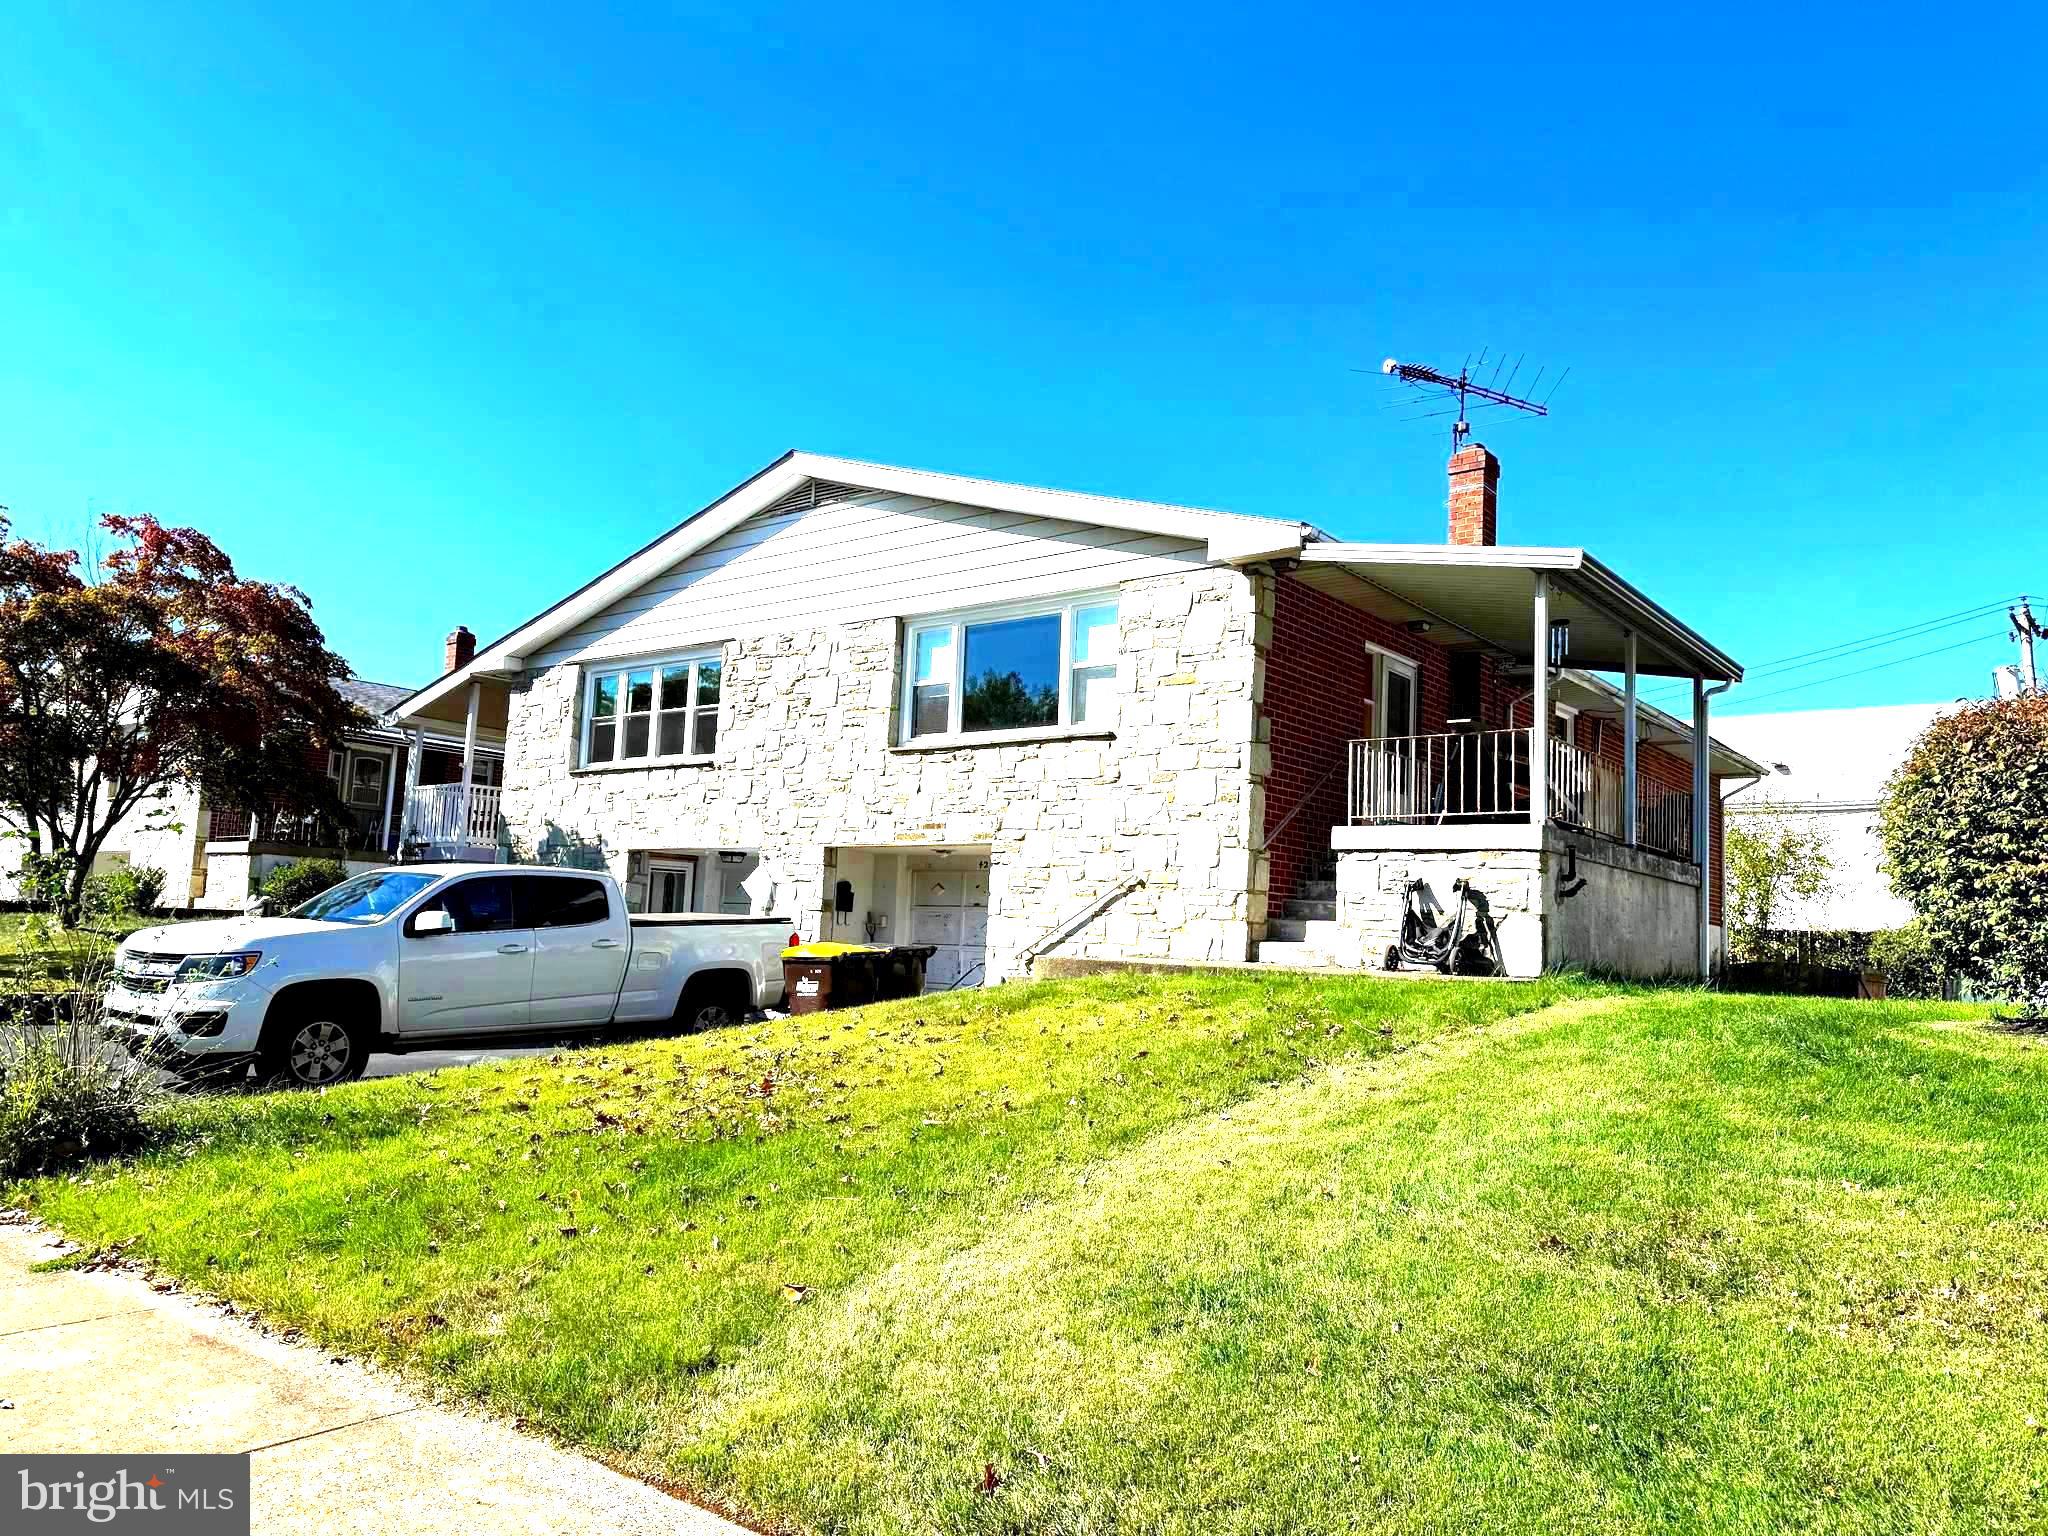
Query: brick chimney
{"type": "Point", "coordinates": [1475, 495]}
{"type": "Point", "coordinates": [459, 649]}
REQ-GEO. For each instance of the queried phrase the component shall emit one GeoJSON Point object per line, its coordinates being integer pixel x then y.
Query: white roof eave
{"type": "Point", "coordinates": [1229, 538]}
{"type": "Point", "coordinates": [1598, 583]}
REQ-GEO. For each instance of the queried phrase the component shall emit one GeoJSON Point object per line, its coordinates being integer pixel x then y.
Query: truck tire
{"type": "Point", "coordinates": [312, 1042]}
{"type": "Point", "coordinates": [711, 1002]}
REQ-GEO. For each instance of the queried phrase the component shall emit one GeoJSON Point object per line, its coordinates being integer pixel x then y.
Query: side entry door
{"type": "Point", "coordinates": [479, 977]}
{"type": "Point", "coordinates": [580, 947]}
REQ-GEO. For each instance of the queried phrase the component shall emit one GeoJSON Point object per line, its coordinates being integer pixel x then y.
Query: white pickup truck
{"type": "Point", "coordinates": [422, 956]}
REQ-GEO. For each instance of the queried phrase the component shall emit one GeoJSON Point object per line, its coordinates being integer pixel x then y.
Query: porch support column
{"type": "Point", "coordinates": [1701, 824]}
{"type": "Point", "coordinates": [390, 793]}
{"type": "Point", "coordinates": [414, 750]}
{"type": "Point", "coordinates": [476, 694]}
{"type": "Point", "coordinates": [1628, 744]}
{"type": "Point", "coordinates": [1539, 708]}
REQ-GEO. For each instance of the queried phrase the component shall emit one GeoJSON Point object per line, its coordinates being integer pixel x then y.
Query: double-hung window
{"type": "Point", "coordinates": [651, 711]}
{"type": "Point", "coordinates": [1031, 667]}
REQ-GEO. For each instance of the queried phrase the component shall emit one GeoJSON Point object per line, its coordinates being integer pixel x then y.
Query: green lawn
{"type": "Point", "coordinates": [1197, 1255]}
{"type": "Point", "coordinates": [38, 956]}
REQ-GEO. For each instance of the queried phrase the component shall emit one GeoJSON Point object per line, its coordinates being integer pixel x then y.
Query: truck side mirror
{"type": "Point", "coordinates": [436, 920]}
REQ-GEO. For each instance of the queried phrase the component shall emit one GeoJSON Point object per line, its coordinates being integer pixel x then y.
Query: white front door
{"type": "Point", "coordinates": [671, 885]}
{"type": "Point", "coordinates": [949, 910]}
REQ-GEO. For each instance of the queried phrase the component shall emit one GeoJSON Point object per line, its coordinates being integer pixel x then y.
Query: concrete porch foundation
{"type": "Point", "coordinates": [1560, 898]}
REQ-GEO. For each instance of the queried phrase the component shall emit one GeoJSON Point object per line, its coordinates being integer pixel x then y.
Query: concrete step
{"type": "Point", "coordinates": [1290, 929]}
{"type": "Point", "coordinates": [1310, 908]}
{"type": "Point", "coordinates": [1316, 890]}
{"type": "Point", "coordinates": [1283, 952]}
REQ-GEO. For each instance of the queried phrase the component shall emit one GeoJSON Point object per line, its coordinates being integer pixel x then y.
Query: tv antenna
{"type": "Point", "coordinates": [1466, 387]}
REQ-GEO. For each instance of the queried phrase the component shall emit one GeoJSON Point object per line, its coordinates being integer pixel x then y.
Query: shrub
{"type": "Point", "coordinates": [1906, 956]}
{"type": "Point", "coordinates": [300, 881]}
{"type": "Point", "coordinates": [1965, 829]}
{"type": "Point", "coordinates": [124, 891]}
{"type": "Point", "coordinates": [45, 878]}
{"type": "Point", "coordinates": [65, 1095]}
{"type": "Point", "coordinates": [1771, 861]}
{"type": "Point", "coordinates": [149, 883]}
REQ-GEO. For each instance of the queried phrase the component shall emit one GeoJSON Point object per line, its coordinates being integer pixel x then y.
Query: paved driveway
{"type": "Point", "coordinates": [385, 1065]}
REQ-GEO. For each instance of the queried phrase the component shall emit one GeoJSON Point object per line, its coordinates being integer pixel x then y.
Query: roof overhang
{"type": "Point", "coordinates": [1596, 696]}
{"type": "Point", "coordinates": [1485, 591]}
{"type": "Point", "coordinates": [1228, 537]}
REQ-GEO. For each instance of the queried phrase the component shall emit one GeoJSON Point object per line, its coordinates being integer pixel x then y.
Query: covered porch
{"type": "Point", "coordinates": [1489, 748]}
{"type": "Point", "coordinates": [454, 789]}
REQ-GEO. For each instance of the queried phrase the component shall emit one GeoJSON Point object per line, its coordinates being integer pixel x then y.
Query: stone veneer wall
{"type": "Point", "coordinates": [1635, 914]}
{"type": "Point", "coordinates": [807, 760]}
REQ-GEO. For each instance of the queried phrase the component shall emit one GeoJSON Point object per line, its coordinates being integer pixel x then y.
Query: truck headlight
{"type": "Point", "coordinates": [218, 967]}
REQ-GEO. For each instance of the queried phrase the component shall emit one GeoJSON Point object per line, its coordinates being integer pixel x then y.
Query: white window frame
{"type": "Point", "coordinates": [1065, 607]}
{"type": "Point", "coordinates": [658, 665]}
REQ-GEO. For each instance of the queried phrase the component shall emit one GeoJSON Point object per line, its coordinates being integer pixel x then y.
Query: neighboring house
{"type": "Point", "coordinates": [1835, 763]}
{"type": "Point", "coordinates": [215, 856]}
{"type": "Point", "coordinates": [1014, 722]}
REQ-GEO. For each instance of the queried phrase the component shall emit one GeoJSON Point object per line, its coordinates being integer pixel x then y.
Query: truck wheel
{"type": "Point", "coordinates": [711, 1004]}
{"type": "Point", "coordinates": [313, 1044]}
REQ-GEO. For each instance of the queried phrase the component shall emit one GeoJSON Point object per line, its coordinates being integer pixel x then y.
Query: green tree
{"type": "Point", "coordinates": [160, 665]}
{"type": "Point", "coordinates": [1965, 829]}
{"type": "Point", "coordinates": [1771, 859]}
{"type": "Point", "coordinates": [997, 701]}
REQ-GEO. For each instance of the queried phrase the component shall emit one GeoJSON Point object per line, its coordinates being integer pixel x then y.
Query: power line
{"type": "Point", "coordinates": [1803, 659]}
{"type": "Point", "coordinates": [1880, 666]}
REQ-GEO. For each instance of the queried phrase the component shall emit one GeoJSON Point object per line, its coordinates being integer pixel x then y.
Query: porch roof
{"type": "Point", "coordinates": [1484, 592]}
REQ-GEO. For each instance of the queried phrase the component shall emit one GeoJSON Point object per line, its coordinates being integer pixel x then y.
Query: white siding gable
{"type": "Point", "coordinates": [871, 555]}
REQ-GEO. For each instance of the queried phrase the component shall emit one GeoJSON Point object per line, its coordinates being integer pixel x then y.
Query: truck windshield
{"type": "Point", "coordinates": [367, 898]}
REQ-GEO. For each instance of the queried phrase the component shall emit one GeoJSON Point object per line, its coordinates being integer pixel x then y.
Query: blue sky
{"type": "Point", "coordinates": [436, 311]}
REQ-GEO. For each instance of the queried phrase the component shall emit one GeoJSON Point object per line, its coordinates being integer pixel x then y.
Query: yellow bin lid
{"type": "Point", "coordinates": [824, 949]}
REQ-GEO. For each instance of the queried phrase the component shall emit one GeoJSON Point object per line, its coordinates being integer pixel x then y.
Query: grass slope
{"type": "Point", "coordinates": [1209, 1254]}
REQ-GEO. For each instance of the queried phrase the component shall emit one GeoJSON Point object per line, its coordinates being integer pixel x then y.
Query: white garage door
{"type": "Point", "coordinates": [949, 909]}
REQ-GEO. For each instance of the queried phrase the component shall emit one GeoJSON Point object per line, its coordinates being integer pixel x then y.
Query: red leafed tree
{"type": "Point", "coordinates": [161, 666]}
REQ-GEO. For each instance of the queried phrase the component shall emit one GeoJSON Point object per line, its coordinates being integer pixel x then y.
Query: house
{"type": "Point", "coordinates": [215, 856]}
{"type": "Point", "coordinates": [1017, 723]}
{"type": "Point", "coordinates": [1830, 770]}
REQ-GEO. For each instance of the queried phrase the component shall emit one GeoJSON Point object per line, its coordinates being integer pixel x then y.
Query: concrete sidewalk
{"type": "Point", "coordinates": [102, 1362]}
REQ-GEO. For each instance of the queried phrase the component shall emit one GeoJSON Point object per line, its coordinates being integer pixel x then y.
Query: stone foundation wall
{"type": "Point", "coordinates": [1372, 887]}
{"type": "Point", "coordinates": [1631, 913]}
{"type": "Point", "coordinates": [807, 760]}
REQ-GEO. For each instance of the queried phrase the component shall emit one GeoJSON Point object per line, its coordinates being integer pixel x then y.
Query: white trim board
{"type": "Point", "coordinates": [1229, 538]}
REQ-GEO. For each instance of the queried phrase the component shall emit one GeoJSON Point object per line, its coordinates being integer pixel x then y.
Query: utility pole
{"type": "Point", "coordinates": [2027, 629]}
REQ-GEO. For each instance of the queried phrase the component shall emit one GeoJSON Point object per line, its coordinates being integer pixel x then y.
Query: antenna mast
{"type": "Point", "coordinates": [1465, 387]}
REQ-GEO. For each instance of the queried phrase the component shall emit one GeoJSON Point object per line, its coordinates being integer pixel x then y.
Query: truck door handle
{"type": "Point", "coordinates": [511, 949]}
{"type": "Point", "coordinates": [604, 943]}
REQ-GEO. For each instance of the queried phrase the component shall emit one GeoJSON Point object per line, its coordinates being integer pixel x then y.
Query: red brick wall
{"type": "Point", "coordinates": [1664, 768]}
{"type": "Point", "coordinates": [1318, 677]}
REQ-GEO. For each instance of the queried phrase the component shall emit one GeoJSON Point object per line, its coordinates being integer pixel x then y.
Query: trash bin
{"type": "Point", "coordinates": [899, 972]}
{"type": "Point", "coordinates": [825, 975]}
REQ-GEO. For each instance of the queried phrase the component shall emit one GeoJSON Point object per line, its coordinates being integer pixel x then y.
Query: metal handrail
{"type": "Point", "coordinates": [1062, 931]}
{"type": "Point", "coordinates": [1299, 805]}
